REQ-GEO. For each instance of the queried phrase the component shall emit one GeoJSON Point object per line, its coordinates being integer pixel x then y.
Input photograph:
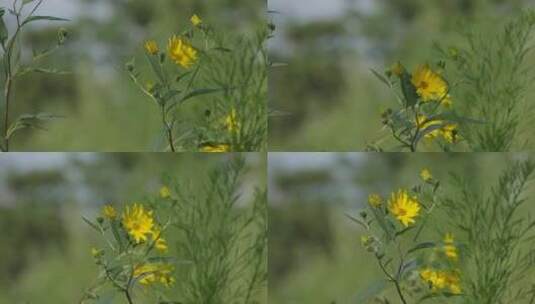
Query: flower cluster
{"type": "Point", "coordinates": [179, 49]}
{"type": "Point", "coordinates": [426, 107]}
{"type": "Point", "coordinates": [135, 247]}
{"type": "Point", "coordinates": [441, 279]}
{"type": "Point", "coordinates": [151, 273]}
{"type": "Point", "coordinates": [447, 278]}
{"type": "Point", "coordinates": [191, 51]}
{"type": "Point", "coordinates": [411, 209]}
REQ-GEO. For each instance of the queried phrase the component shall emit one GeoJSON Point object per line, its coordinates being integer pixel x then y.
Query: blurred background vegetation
{"type": "Point", "coordinates": [45, 246]}
{"type": "Point", "coordinates": [315, 255]}
{"type": "Point", "coordinates": [326, 97]}
{"type": "Point", "coordinates": [103, 109]}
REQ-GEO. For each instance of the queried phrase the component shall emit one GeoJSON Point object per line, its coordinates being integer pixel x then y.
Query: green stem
{"type": "Point", "coordinates": [128, 297]}
{"type": "Point", "coordinates": [168, 130]}
{"type": "Point", "coordinates": [398, 288]}
{"type": "Point", "coordinates": [7, 96]}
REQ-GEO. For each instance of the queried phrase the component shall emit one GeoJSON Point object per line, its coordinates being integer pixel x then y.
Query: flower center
{"type": "Point", "coordinates": [424, 85]}
{"type": "Point", "coordinates": [402, 211]}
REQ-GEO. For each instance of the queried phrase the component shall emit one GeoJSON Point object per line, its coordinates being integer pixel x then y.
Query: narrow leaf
{"type": "Point", "coordinates": [424, 245]}
{"type": "Point", "coordinates": [93, 225]}
{"type": "Point", "coordinates": [358, 221]}
{"type": "Point", "coordinates": [39, 18]}
{"type": "Point", "coordinates": [381, 77]}
{"type": "Point", "coordinates": [200, 92]}
{"type": "Point", "coordinates": [50, 71]}
{"type": "Point", "coordinates": [408, 89]}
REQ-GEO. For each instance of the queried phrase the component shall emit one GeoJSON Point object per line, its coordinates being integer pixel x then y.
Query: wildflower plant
{"type": "Point", "coordinates": [135, 254]}
{"type": "Point", "coordinates": [489, 259]}
{"type": "Point", "coordinates": [14, 65]}
{"type": "Point", "coordinates": [416, 270]}
{"type": "Point", "coordinates": [200, 61]}
{"type": "Point", "coordinates": [188, 243]}
{"type": "Point", "coordinates": [425, 112]}
{"type": "Point", "coordinates": [492, 76]}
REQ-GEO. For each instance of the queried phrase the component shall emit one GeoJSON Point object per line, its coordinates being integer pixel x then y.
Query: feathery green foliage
{"type": "Point", "coordinates": [497, 235]}
{"type": "Point", "coordinates": [245, 70]}
{"type": "Point", "coordinates": [226, 243]}
{"type": "Point", "coordinates": [493, 77]}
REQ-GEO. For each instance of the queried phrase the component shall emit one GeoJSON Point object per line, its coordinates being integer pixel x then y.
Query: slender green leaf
{"type": "Point", "coordinates": [117, 234]}
{"type": "Point", "coordinates": [424, 245]}
{"type": "Point", "coordinates": [380, 77]}
{"type": "Point", "coordinates": [358, 221]}
{"type": "Point", "coordinates": [200, 92]}
{"type": "Point", "coordinates": [401, 232]}
{"type": "Point", "coordinates": [408, 89]}
{"type": "Point", "coordinates": [156, 68]}
{"type": "Point", "coordinates": [3, 28]}
{"type": "Point", "coordinates": [42, 18]}
{"type": "Point", "coordinates": [50, 71]}
{"type": "Point", "coordinates": [93, 225]}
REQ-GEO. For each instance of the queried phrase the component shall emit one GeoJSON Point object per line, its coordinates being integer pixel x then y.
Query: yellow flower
{"type": "Point", "coordinates": [109, 212]}
{"type": "Point", "coordinates": [231, 123]}
{"type": "Point", "coordinates": [138, 222]}
{"type": "Point", "coordinates": [375, 200]}
{"type": "Point", "coordinates": [439, 280]}
{"type": "Point", "coordinates": [435, 279]}
{"type": "Point", "coordinates": [151, 273]}
{"type": "Point", "coordinates": [423, 123]}
{"type": "Point", "coordinates": [447, 131]}
{"type": "Point", "coordinates": [151, 47]}
{"type": "Point", "coordinates": [161, 243]}
{"type": "Point", "coordinates": [450, 133]}
{"type": "Point", "coordinates": [449, 247]}
{"type": "Point", "coordinates": [215, 148]}
{"type": "Point", "coordinates": [165, 192]}
{"type": "Point", "coordinates": [430, 86]}
{"type": "Point", "coordinates": [196, 20]}
{"type": "Point", "coordinates": [181, 52]}
{"type": "Point", "coordinates": [453, 281]}
{"type": "Point", "coordinates": [403, 207]}
{"type": "Point", "coordinates": [425, 174]}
